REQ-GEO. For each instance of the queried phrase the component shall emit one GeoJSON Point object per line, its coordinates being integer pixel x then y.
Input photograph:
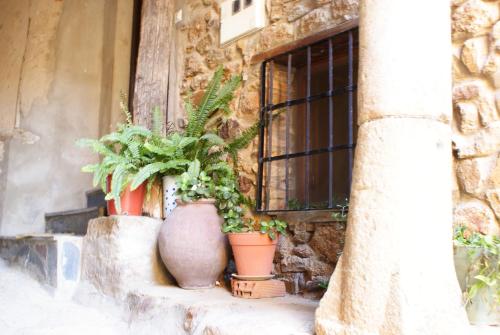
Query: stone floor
{"type": "Point", "coordinates": [26, 308]}
{"type": "Point", "coordinates": [215, 311]}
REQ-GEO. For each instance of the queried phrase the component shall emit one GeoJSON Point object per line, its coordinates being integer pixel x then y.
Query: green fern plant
{"type": "Point", "coordinates": [173, 153]}
{"type": "Point", "coordinates": [124, 153]}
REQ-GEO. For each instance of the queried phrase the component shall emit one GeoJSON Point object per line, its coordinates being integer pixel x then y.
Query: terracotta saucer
{"type": "Point", "coordinates": [255, 278]}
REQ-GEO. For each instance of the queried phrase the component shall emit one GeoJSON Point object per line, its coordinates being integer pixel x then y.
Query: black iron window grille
{"type": "Point", "coordinates": [308, 132]}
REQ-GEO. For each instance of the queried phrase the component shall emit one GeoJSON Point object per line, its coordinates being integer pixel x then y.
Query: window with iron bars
{"type": "Point", "coordinates": [309, 126]}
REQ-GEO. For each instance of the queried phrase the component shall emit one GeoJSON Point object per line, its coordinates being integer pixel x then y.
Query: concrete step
{"type": "Point", "coordinates": [71, 222]}
{"type": "Point", "coordinates": [95, 198]}
{"type": "Point", "coordinates": [53, 260]}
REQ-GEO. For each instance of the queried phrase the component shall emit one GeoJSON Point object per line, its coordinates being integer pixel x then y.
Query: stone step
{"type": "Point", "coordinates": [95, 198]}
{"type": "Point", "coordinates": [216, 311]}
{"type": "Point", "coordinates": [53, 260]}
{"type": "Point", "coordinates": [71, 222]}
{"type": "Point", "coordinates": [120, 259]}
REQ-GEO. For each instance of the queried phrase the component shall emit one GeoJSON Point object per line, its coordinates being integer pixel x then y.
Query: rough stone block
{"type": "Point", "coordinates": [472, 18]}
{"type": "Point", "coordinates": [328, 241]}
{"type": "Point", "coordinates": [476, 215]}
{"type": "Point", "coordinates": [121, 253]}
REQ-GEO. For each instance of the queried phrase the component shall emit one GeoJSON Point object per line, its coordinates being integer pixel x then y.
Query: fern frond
{"type": "Point", "coordinates": [168, 151]}
{"type": "Point", "coordinates": [245, 138]}
{"type": "Point", "coordinates": [213, 139]}
{"type": "Point", "coordinates": [218, 167]}
{"type": "Point", "coordinates": [96, 146]}
{"type": "Point", "coordinates": [196, 123]}
{"type": "Point", "coordinates": [225, 95]}
{"type": "Point", "coordinates": [117, 185]}
{"type": "Point", "coordinates": [151, 169]}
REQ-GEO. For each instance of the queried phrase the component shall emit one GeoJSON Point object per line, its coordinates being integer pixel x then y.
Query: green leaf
{"type": "Point", "coordinates": [198, 117]}
{"type": "Point", "coordinates": [117, 185]}
{"type": "Point", "coordinates": [194, 169]}
{"type": "Point", "coordinates": [213, 139]}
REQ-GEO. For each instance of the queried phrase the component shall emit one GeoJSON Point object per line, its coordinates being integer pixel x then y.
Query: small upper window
{"type": "Point", "coordinates": [236, 6]}
{"type": "Point", "coordinates": [308, 108]}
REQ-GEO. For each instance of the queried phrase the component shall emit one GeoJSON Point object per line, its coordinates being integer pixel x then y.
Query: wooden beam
{"type": "Point", "coordinates": [151, 78]}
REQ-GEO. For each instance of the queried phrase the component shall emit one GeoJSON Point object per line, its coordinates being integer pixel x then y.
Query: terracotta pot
{"type": "Point", "coordinates": [131, 201]}
{"type": "Point", "coordinates": [253, 253]}
{"type": "Point", "coordinates": [192, 245]}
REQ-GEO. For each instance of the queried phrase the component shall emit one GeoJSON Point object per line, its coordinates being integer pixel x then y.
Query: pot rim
{"type": "Point", "coordinates": [205, 201]}
{"type": "Point", "coordinates": [250, 232]}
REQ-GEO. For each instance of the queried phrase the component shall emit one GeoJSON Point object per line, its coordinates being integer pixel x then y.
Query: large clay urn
{"type": "Point", "coordinates": [192, 245]}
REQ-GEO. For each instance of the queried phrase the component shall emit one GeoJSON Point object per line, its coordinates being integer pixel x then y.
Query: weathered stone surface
{"type": "Point", "coordinates": [284, 247]}
{"type": "Point", "coordinates": [345, 9]}
{"type": "Point", "coordinates": [494, 177]}
{"type": "Point", "coordinates": [476, 92]}
{"type": "Point", "coordinates": [215, 312]}
{"type": "Point", "coordinates": [229, 129]}
{"type": "Point", "coordinates": [314, 21]}
{"type": "Point", "coordinates": [468, 117]}
{"type": "Point", "coordinates": [300, 9]}
{"type": "Point", "coordinates": [482, 143]}
{"type": "Point", "coordinates": [474, 53]}
{"type": "Point", "coordinates": [365, 292]}
{"type": "Point", "coordinates": [328, 241]}
{"type": "Point", "coordinates": [476, 215]}
{"type": "Point", "coordinates": [303, 251]}
{"type": "Point", "coordinates": [493, 197]}
{"type": "Point", "coordinates": [292, 263]}
{"type": "Point", "coordinates": [120, 253]}
{"type": "Point", "coordinates": [473, 175]}
{"type": "Point", "coordinates": [472, 18]}
{"type": "Point", "coordinates": [460, 72]}
{"type": "Point", "coordinates": [250, 103]}
{"type": "Point", "coordinates": [302, 237]}
{"type": "Point", "coordinates": [279, 32]}
{"type": "Point", "coordinates": [317, 267]}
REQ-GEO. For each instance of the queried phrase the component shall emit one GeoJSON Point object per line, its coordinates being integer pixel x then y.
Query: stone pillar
{"type": "Point", "coordinates": [396, 275]}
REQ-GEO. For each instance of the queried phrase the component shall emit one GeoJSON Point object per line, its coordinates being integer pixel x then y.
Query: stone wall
{"type": "Point", "coordinates": [476, 122]}
{"type": "Point", "coordinates": [307, 256]}
{"type": "Point", "coordinates": [62, 68]}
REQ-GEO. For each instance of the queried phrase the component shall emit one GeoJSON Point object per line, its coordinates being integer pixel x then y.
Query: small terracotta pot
{"type": "Point", "coordinates": [253, 253]}
{"type": "Point", "coordinates": [131, 201]}
{"type": "Point", "coordinates": [192, 245]}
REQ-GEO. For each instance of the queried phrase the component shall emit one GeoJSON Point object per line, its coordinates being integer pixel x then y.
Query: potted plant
{"type": "Point", "coordinates": [477, 261]}
{"type": "Point", "coordinates": [169, 160]}
{"type": "Point", "coordinates": [122, 156]}
{"type": "Point", "coordinates": [253, 243]}
{"type": "Point", "coordinates": [191, 242]}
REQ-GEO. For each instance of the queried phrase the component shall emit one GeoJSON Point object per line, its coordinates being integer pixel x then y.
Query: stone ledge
{"type": "Point", "coordinates": [217, 312]}
{"type": "Point", "coordinates": [120, 253]}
